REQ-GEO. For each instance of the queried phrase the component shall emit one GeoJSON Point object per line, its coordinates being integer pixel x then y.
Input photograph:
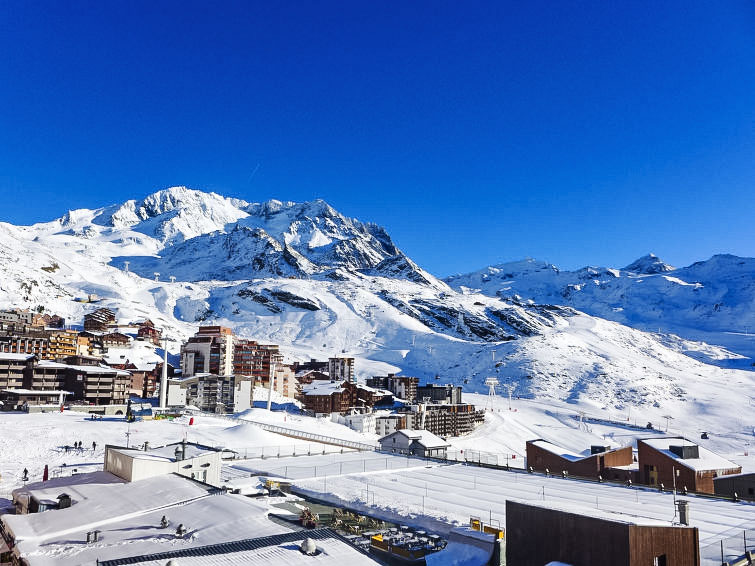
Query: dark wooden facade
{"type": "Point", "coordinates": [658, 468]}
{"type": "Point", "coordinates": [538, 535]}
{"type": "Point", "coordinates": [591, 466]}
{"type": "Point", "coordinates": [741, 484]}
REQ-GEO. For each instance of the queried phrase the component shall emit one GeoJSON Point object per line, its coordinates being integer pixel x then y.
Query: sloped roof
{"type": "Point", "coordinates": [706, 461]}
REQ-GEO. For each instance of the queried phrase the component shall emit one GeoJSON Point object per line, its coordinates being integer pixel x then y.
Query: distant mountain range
{"type": "Point", "coordinates": [711, 300]}
{"type": "Point", "coordinates": [320, 284]}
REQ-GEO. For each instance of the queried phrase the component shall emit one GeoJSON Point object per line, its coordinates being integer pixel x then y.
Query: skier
{"type": "Point", "coordinates": [94, 446]}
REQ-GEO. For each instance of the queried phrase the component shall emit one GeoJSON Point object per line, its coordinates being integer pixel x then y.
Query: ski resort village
{"type": "Point", "coordinates": [192, 379]}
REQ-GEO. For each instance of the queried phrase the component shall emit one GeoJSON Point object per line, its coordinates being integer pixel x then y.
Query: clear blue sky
{"type": "Point", "coordinates": [574, 132]}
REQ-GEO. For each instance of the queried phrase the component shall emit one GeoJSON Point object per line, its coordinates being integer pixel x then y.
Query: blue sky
{"type": "Point", "coordinates": [578, 133]}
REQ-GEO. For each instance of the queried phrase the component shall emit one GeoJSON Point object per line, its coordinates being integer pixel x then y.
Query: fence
{"type": "Point", "coordinates": [284, 451]}
{"type": "Point", "coordinates": [730, 550]}
{"type": "Point", "coordinates": [331, 469]}
{"type": "Point", "coordinates": [296, 433]}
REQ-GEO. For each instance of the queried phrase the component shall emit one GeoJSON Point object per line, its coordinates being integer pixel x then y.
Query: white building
{"type": "Point", "coordinates": [183, 458]}
{"type": "Point", "coordinates": [360, 422]}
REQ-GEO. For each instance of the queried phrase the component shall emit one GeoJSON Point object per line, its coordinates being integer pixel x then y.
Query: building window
{"type": "Point", "coordinates": [660, 560]}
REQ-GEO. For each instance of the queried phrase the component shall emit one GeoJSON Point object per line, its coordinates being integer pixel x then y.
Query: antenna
{"type": "Point", "coordinates": [125, 266]}
{"type": "Point", "coordinates": [157, 276]}
{"type": "Point", "coordinates": [667, 417]}
{"type": "Point", "coordinates": [492, 383]}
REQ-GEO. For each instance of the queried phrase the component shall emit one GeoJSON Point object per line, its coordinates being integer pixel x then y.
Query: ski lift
{"type": "Point", "coordinates": [704, 436]}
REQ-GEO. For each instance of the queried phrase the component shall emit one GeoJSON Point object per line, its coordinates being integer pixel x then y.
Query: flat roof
{"type": "Point", "coordinates": [97, 498]}
{"type": "Point", "coordinates": [126, 532]}
{"type": "Point", "coordinates": [167, 452]}
{"type": "Point", "coordinates": [36, 392]}
{"type": "Point", "coordinates": [586, 511]}
{"type": "Point", "coordinates": [13, 357]}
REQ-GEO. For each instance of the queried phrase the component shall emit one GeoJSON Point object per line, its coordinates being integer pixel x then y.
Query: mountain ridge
{"type": "Point", "coordinates": [320, 284]}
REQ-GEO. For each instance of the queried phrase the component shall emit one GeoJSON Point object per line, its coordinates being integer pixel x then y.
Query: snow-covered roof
{"type": "Point", "coordinates": [557, 450]}
{"type": "Point", "coordinates": [82, 369]}
{"type": "Point", "coordinates": [322, 387]}
{"type": "Point", "coordinates": [706, 461]}
{"type": "Point", "coordinates": [7, 356]}
{"type": "Point", "coordinates": [130, 527]}
{"type": "Point", "coordinates": [579, 508]}
{"type": "Point", "coordinates": [424, 438]}
{"type": "Point", "coordinates": [98, 498]}
{"type": "Point", "coordinates": [283, 553]}
{"type": "Point", "coordinates": [167, 452]}
{"type": "Point", "coordinates": [37, 391]}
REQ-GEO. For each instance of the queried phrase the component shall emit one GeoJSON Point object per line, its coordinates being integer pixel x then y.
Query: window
{"type": "Point", "coordinates": [660, 560]}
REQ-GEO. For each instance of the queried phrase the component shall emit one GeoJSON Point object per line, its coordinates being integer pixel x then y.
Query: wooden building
{"type": "Point", "coordinates": [148, 332]}
{"type": "Point", "coordinates": [115, 340]}
{"type": "Point", "coordinates": [677, 461]}
{"type": "Point", "coordinates": [609, 463]}
{"type": "Point", "coordinates": [322, 396]}
{"type": "Point", "coordinates": [538, 534]}
{"type": "Point", "coordinates": [99, 320]}
{"type": "Point", "coordinates": [743, 485]}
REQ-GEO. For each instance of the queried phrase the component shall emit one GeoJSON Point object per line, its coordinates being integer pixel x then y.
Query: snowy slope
{"type": "Point", "coordinates": [711, 300]}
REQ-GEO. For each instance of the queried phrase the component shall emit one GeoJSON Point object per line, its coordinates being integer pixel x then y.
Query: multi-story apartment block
{"type": "Point", "coordinates": [212, 393]}
{"type": "Point", "coordinates": [342, 369]}
{"type": "Point", "coordinates": [210, 350]}
{"type": "Point", "coordinates": [403, 387]}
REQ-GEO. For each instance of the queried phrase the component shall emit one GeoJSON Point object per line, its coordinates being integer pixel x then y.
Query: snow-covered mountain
{"type": "Point", "coordinates": [711, 300]}
{"type": "Point", "coordinates": [320, 284]}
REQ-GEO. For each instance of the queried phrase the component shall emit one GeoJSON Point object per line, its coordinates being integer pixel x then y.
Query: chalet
{"type": "Point", "coordinates": [420, 443]}
{"type": "Point", "coordinates": [321, 397]}
{"type": "Point", "coordinates": [99, 320]}
{"type": "Point", "coordinates": [309, 375]}
{"type": "Point", "coordinates": [115, 340]}
{"type": "Point", "coordinates": [540, 533]}
{"type": "Point", "coordinates": [609, 463]}
{"type": "Point", "coordinates": [677, 461]}
{"type": "Point", "coordinates": [149, 333]}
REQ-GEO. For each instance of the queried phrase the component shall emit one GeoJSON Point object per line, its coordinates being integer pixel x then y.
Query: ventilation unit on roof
{"type": "Point", "coordinates": [686, 451]}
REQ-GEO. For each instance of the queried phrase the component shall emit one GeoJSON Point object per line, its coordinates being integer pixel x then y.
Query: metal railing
{"type": "Point", "coordinates": [729, 551]}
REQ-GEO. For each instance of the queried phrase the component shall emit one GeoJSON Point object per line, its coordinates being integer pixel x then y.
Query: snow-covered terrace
{"type": "Point", "coordinates": [396, 486]}
{"type": "Point", "coordinates": [128, 515]}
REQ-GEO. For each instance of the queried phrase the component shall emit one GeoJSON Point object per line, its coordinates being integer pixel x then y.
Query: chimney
{"type": "Point", "coordinates": [683, 507]}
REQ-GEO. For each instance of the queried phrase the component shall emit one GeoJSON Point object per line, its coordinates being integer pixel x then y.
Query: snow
{"type": "Point", "coordinates": [450, 494]}
{"type": "Point", "coordinates": [706, 461]}
{"type": "Point", "coordinates": [15, 357]}
{"type": "Point", "coordinates": [565, 454]}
